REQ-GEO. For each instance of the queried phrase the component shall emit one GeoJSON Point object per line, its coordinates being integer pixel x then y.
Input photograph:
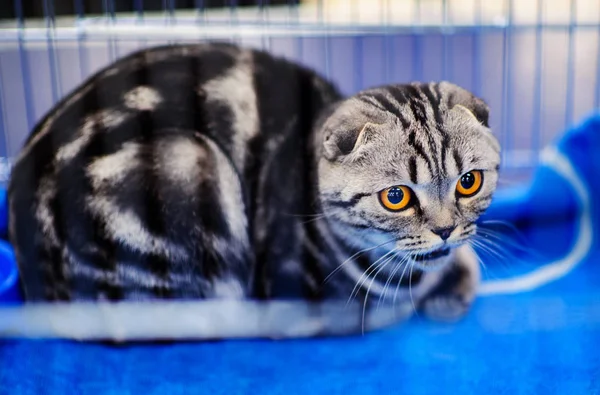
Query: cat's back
{"type": "Point", "coordinates": [238, 97]}
{"type": "Point", "coordinates": [117, 163]}
{"type": "Point", "coordinates": [215, 88]}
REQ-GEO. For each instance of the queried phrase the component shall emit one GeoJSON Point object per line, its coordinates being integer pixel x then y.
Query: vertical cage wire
{"type": "Point", "coordinates": [476, 49]}
{"type": "Point", "coordinates": [3, 129]}
{"type": "Point", "coordinates": [326, 41]}
{"type": "Point", "coordinates": [79, 18]}
{"type": "Point", "coordinates": [108, 10]}
{"type": "Point", "coordinates": [446, 42]}
{"type": "Point", "coordinates": [358, 62]}
{"type": "Point", "coordinates": [417, 42]}
{"type": "Point", "coordinates": [506, 81]}
{"type": "Point", "coordinates": [294, 17]}
{"type": "Point", "coordinates": [387, 47]}
{"type": "Point", "coordinates": [570, 65]}
{"type": "Point", "coordinates": [24, 63]}
{"type": "Point", "coordinates": [53, 60]}
{"type": "Point", "coordinates": [233, 20]}
{"type": "Point", "coordinates": [597, 90]}
{"type": "Point", "coordinates": [419, 50]}
{"type": "Point", "coordinates": [139, 9]}
{"type": "Point", "coordinates": [169, 7]}
{"type": "Point", "coordinates": [264, 20]}
{"type": "Point", "coordinates": [538, 86]}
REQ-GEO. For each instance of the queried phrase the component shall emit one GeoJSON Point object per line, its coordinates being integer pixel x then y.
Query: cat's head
{"type": "Point", "coordinates": [412, 166]}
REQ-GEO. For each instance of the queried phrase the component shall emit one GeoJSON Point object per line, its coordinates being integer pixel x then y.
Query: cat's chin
{"type": "Point", "coordinates": [433, 260]}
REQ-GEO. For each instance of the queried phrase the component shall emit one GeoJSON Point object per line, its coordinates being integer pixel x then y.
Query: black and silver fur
{"type": "Point", "coordinates": [212, 171]}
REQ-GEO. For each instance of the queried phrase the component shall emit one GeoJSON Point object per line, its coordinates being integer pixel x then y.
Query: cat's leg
{"type": "Point", "coordinates": [452, 297]}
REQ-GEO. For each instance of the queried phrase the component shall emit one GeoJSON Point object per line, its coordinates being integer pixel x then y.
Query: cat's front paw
{"type": "Point", "coordinates": [452, 297]}
{"type": "Point", "coordinates": [445, 308]}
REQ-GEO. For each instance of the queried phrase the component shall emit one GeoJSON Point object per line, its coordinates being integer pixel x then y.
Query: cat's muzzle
{"type": "Point", "coordinates": [441, 252]}
{"type": "Point", "coordinates": [433, 260]}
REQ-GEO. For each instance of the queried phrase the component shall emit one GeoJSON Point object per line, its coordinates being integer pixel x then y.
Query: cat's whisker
{"type": "Point", "coordinates": [389, 279]}
{"type": "Point", "coordinates": [403, 263]}
{"type": "Point", "coordinates": [311, 217]}
{"type": "Point", "coordinates": [499, 257]}
{"type": "Point", "coordinates": [495, 254]}
{"type": "Point", "coordinates": [407, 258]}
{"type": "Point", "coordinates": [313, 220]}
{"type": "Point", "coordinates": [497, 249]}
{"type": "Point", "coordinates": [500, 222]}
{"type": "Point", "coordinates": [382, 265]}
{"type": "Point", "coordinates": [479, 259]}
{"type": "Point", "coordinates": [412, 300]}
{"type": "Point", "coordinates": [304, 215]}
{"type": "Point", "coordinates": [506, 240]}
{"type": "Point", "coordinates": [354, 256]}
{"type": "Point", "coordinates": [507, 225]}
{"type": "Point", "coordinates": [480, 243]}
{"type": "Point", "coordinates": [508, 258]}
{"type": "Point", "coordinates": [504, 243]}
{"type": "Point", "coordinates": [373, 267]}
{"type": "Point", "coordinates": [366, 273]}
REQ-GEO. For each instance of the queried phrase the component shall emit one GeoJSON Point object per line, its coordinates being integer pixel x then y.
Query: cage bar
{"type": "Point", "coordinates": [411, 39]}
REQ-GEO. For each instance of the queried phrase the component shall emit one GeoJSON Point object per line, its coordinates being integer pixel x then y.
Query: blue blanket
{"type": "Point", "coordinates": [538, 333]}
{"type": "Point", "coordinates": [543, 342]}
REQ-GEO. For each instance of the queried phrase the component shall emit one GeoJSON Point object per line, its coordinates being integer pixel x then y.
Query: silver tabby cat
{"type": "Point", "coordinates": [212, 171]}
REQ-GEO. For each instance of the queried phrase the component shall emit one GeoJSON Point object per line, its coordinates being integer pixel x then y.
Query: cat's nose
{"type": "Point", "coordinates": [444, 233]}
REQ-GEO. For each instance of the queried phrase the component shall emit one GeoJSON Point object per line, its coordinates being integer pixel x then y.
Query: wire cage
{"type": "Point", "coordinates": [535, 62]}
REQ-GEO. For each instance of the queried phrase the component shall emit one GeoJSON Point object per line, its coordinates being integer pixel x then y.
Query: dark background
{"type": "Point", "coordinates": [38, 8]}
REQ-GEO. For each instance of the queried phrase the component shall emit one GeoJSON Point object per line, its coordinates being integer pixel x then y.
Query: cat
{"type": "Point", "coordinates": [215, 171]}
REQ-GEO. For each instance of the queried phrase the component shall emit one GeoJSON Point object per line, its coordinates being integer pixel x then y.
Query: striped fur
{"type": "Point", "coordinates": [212, 171]}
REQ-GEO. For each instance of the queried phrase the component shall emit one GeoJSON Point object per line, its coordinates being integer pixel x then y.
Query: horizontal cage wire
{"type": "Point", "coordinates": [536, 63]}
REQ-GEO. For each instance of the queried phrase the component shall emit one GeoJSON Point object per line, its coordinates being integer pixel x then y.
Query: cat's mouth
{"type": "Point", "coordinates": [439, 253]}
{"type": "Point", "coordinates": [432, 260]}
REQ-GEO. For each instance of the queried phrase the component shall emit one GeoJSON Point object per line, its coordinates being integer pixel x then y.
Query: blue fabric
{"type": "Point", "coordinates": [540, 342]}
{"type": "Point", "coordinates": [3, 212]}
{"type": "Point", "coordinates": [545, 342]}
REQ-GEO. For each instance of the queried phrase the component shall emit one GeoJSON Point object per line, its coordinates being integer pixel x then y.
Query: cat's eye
{"type": "Point", "coordinates": [396, 198]}
{"type": "Point", "coordinates": [469, 184]}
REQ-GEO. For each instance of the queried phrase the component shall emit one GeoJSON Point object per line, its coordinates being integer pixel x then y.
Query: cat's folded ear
{"type": "Point", "coordinates": [350, 127]}
{"type": "Point", "coordinates": [461, 99]}
{"type": "Point", "coordinates": [341, 138]}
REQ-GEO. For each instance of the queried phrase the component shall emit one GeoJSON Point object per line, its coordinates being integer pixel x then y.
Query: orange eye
{"type": "Point", "coordinates": [469, 184]}
{"type": "Point", "coordinates": [396, 198]}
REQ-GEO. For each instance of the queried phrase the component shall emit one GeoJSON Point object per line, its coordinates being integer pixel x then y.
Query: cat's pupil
{"type": "Point", "coordinates": [395, 195]}
{"type": "Point", "coordinates": [467, 180]}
